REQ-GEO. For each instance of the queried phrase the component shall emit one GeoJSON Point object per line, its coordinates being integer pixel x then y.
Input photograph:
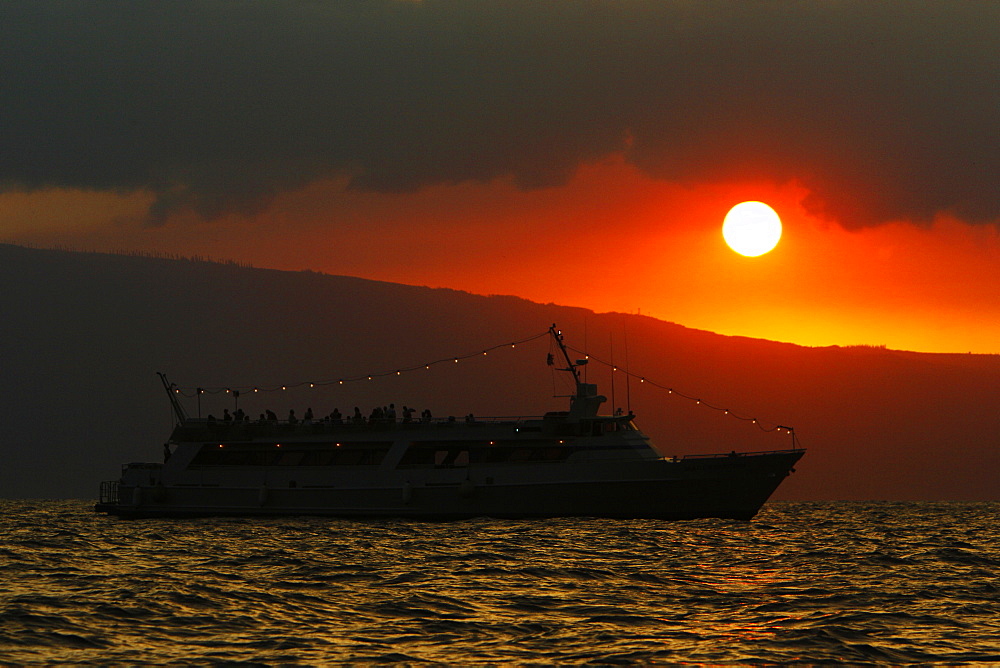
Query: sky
{"type": "Point", "coordinates": [580, 153]}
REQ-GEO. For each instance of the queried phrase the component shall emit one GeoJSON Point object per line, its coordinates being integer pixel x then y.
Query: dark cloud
{"type": "Point", "coordinates": [883, 109]}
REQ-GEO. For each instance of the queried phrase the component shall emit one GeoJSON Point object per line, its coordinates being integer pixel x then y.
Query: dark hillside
{"type": "Point", "coordinates": [83, 335]}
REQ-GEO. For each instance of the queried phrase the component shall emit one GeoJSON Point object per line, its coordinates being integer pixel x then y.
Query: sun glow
{"type": "Point", "coordinates": [751, 228]}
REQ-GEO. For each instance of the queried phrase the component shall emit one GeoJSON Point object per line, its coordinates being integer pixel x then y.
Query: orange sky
{"type": "Point", "coordinates": [611, 239]}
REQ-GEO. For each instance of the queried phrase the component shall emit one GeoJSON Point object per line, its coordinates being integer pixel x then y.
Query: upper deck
{"type": "Point", "coordinates": [201, 430]}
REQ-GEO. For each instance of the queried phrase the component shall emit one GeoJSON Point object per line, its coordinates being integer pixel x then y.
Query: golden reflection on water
{"type": "Point", "coordinates": [803, 583]}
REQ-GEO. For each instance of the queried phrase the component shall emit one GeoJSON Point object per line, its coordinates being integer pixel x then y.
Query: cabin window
{"type": "Point", "coordinates": [348, 457]}
{"type": "Point", "coordinates": [444, 454]}
{"type": "Point", "coordinates": [418, 457]}
{"type": "Point", "coordinates": [317, 458]}
{"type": "Point", "coordinates": [555, 454]}
{"type": "Point", "coordinates": [536, 453]}
{"type": "Point", "coordinates": [439, 456]}
{"type": "Point", "coordinates": [450, 458]}
{"type": "Point", "coordinates": [599, 427]}
{"type": "Point", "coordinates": [290, 458]}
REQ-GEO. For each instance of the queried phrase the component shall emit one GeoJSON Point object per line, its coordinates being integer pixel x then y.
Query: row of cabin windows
{"type": "Point", "coordinates": [214, 455]}
{"type": "Point", "coordinates": [414, 457]}
{"type": "Point", "coordinates": [598, 427]}
{"type": "Point", "coordinates": [420, 456]}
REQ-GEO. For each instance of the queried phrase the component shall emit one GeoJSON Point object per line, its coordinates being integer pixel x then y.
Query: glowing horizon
{"type": "Point", "coordinates": [609, 240]}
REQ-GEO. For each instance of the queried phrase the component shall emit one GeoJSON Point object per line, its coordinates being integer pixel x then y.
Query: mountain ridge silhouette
{"type": "Point", "coordinates": [85, 333]}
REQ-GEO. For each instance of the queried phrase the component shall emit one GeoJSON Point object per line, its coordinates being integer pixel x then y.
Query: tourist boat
{"type": "Point", "coordinates": [567, 463]}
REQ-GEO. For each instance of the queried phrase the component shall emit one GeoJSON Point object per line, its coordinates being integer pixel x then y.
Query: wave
{"type": "Point", "coordinates": [806, 583]}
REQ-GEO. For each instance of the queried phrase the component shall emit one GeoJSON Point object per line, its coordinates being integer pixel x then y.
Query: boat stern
{"type": "Point", "coordinates": [139, 483]}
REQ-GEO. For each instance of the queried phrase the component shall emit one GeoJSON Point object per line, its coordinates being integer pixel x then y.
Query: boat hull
{"type": "Point", "coordinates": [729, 487]}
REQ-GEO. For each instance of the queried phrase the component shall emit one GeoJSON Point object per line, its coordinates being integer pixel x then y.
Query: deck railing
{"type": "Point", "coordinates": [743, 454]}
{"type": "Point", "coordinates": [109, 492]}
{"type": "Point", "coordinates": [201, 429]}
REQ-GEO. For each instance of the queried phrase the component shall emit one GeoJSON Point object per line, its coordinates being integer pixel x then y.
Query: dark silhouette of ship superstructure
{"type": "Point", "coordinates": [576, 462]}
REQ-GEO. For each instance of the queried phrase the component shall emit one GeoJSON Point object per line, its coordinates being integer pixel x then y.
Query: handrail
{"type": "Point", "coordinates": [742, 454]}
{"type": "Point", "coordinates": [347, 422]}
{"type": "Point", "coordinates": [109, 492]}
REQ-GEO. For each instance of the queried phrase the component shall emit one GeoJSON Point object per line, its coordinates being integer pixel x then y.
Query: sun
{"type": "Point", "coordinates": [751, 228]}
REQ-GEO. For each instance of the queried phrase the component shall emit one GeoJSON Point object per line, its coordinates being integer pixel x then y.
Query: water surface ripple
{"type": "Point", "coordinates": [805, 582]}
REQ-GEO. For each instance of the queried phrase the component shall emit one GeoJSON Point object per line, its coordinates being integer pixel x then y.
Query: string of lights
{"type": "Point", "coordinates": [237, 391]}
{"type": "Point", "coordinates": [455, 359]}
{"type": "Point", "coordinates": [646, 381]}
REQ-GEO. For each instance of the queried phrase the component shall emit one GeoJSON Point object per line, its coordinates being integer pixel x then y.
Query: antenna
{"type": "Point", "coordinates": [628, 374]}
{"type": "Point", "coordinates": [611, 343]}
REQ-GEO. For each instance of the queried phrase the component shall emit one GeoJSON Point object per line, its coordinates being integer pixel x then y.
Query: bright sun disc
{"type": "Point", "coordinates": [751, 228]}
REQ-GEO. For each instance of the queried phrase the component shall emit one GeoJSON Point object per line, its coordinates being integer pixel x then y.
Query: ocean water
{"type": "Point", "coordinates": [804, 582]}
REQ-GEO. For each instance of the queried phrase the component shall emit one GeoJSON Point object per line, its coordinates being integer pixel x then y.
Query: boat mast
{"type": "Point", "coordinates": [557, 336]}
{"type": "Point", "coordinates": [172, 395]}
{"type": "Point", "coordinates": [585, 402]}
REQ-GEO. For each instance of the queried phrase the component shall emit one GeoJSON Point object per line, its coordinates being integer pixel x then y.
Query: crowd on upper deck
{"type": "Point", "coordinates": [378, 415]}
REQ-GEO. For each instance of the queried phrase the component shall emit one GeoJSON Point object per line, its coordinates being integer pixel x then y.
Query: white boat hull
{"type": "Point", "coordinates": [733, 487]}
